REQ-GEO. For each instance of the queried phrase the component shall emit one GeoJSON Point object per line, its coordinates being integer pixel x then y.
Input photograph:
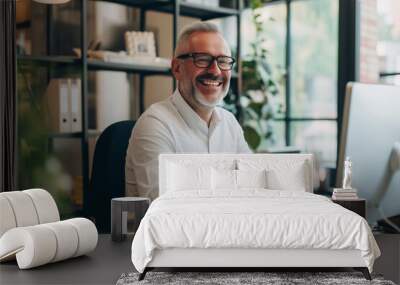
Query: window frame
{"type": "Point", "coordinates": [347, 40]}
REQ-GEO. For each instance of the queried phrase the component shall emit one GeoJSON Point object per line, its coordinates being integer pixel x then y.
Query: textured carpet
{"type": "Point", "coordinates": [229, 278]}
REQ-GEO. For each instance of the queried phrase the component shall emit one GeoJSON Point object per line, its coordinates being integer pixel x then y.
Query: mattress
{"type": "Point", "coordinates": [250, 219]}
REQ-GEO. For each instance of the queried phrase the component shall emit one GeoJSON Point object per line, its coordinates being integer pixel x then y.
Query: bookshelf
{"type": "Point", "coordinates": [83, 65]}
{"type": "Point", "coordinates": [94, 64]}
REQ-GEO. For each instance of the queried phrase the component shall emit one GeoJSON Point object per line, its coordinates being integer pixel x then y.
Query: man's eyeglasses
{"type": "Point", "coordinates": [205, 60]}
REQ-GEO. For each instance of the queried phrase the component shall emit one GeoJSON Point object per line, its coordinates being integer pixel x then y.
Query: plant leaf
{"type": "Point", "coordinates": [252, 137]}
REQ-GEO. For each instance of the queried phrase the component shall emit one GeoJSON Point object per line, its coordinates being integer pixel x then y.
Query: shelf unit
{"type": "Point", "coordinates": [176, 8]}
{"type": "Point", "coordinates": [94, 64]}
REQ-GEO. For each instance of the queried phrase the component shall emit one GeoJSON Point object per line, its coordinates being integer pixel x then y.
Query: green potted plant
{"type": "Point", "coordinates": [258, 89]}
{"type": "Point", "coordinates": [37, 167]}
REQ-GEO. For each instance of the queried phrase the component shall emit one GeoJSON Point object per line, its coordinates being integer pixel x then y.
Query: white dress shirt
{"type": "Point", "coordinates": [172, 126]}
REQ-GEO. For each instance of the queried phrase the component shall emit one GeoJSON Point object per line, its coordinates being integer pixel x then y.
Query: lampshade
{"type": "Point", "coordinates": [52, 1]}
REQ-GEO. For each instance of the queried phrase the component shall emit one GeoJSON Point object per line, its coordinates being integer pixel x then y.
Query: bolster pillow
{"type": "Point", "coordinates": [40, 244]}
{"type": "Point", "coordinates": [26, 208]}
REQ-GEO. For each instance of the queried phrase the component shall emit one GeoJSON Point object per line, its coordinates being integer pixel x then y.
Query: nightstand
{"type": "Point", "coordinates": [357, 206]}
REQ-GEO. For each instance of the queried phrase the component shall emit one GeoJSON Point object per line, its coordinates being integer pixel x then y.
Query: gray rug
{"type": "Point", "coordinates": [229, 278]}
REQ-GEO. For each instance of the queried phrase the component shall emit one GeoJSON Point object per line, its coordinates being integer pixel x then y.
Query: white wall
{"type": "Point", "coordinates": [113, 90]}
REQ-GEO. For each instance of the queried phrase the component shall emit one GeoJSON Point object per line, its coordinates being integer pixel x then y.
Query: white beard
{"type": "Point", "coordinates": [203, 102]}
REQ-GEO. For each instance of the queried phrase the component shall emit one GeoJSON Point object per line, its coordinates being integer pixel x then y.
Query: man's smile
{"type": "Point", "coordinates": [209, 82]}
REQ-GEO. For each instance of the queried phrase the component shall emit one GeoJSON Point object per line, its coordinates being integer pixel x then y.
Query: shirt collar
{"type": "Point", "coordinates": [191, 117]}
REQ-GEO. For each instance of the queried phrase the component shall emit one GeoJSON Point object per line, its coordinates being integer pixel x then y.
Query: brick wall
{"type": "Point", "coordinates": [368, 58]}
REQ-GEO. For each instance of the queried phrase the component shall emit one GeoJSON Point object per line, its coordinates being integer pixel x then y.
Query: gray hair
{"type": "Point", "coordinates": [188, 30]}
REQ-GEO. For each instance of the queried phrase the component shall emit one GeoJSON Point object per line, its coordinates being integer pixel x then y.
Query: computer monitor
{"type": "Point", "coordinates": [370, 136]}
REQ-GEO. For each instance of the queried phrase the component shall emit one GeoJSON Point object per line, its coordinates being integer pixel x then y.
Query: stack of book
{"type": "Point", "coordinates": [344, 194]}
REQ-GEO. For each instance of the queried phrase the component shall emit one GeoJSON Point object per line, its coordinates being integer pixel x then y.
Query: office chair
{"type": "Point", "coordinates": [108, 172]}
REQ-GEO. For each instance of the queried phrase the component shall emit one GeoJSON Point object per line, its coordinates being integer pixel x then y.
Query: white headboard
{"type": "Point", "coordinates": [231, 159]}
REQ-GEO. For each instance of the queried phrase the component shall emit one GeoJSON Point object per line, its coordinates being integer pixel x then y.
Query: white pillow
{"type": "Point", "coordinates": [282, 174]}
{"type": "Point", "coordinates": [292, 179]}
{"type": "Point", "coordinates": [227, 179]}
{"type": "Point", "coordinates": [251, 178]}
{"type": "Point", "coordinates": [223, 179]}
{"type": "Point", "coordinates": [182, 177]}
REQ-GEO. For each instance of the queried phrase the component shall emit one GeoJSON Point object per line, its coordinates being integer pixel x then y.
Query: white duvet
{"type": "Point", "coordinates": [252, 218]}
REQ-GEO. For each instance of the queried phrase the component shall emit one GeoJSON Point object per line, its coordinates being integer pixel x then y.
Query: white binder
{"type": "Point", "coordinates": [65, 117]}
{"type": "Point", "coordinates": [57, 102]}
{"type": "Point", "coordinates": [76, 107]}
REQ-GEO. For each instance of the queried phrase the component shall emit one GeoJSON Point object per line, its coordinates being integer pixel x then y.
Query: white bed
{"type": "Point", "coordinates": [201, 219]}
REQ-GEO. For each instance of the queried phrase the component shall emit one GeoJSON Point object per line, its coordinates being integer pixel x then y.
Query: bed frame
{"type": "Point", "coordinates": [246, 259]}
{"type": "Point", "coordinates": [242, 259]}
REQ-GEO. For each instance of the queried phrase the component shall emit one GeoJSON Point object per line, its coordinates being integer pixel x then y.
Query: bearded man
{"type": "Point", "coordinates": [189, 121]}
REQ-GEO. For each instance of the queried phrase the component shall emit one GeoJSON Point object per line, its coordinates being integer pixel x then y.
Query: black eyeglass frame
{"type": "Point", "coordinates": [214, 58]}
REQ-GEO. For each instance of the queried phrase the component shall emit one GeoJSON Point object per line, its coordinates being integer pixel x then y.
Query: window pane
{"type": "Point", "coordinates": [317, 137]}
{"type": "Point", "coordinates": [279, 133]}
{"type": "Point", "coordinates": [278, 137]}
{"type": "Point", "coordinates": [274, 18]}
{"type": "Point", "coordinates": [275, 34]}
{"type": "Point", "coordinates": [388, 47]}
{"type": "Point", "coordinates": [314, 48]}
